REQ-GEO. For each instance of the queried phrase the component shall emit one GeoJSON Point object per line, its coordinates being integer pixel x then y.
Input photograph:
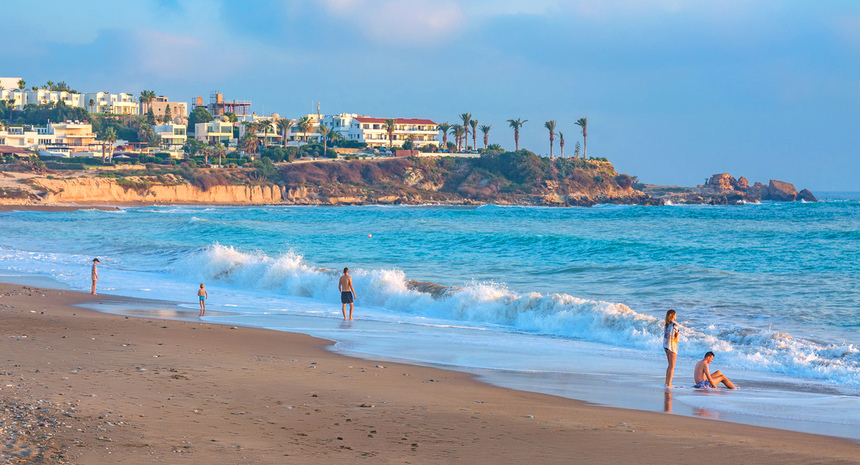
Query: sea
{"type": "Point", "coordinates": [563, 301]}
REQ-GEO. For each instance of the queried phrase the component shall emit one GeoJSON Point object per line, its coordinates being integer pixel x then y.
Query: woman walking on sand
{"type": "Point", "coordinates": [670, 344]}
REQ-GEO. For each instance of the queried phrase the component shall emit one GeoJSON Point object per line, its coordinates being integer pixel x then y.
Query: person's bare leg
{"type": "Point", "coordinates": [350, 312]}
{"type": "Point", "coordinates": [671, 357]}
{"type": "Point", "coordinates": [719, 377]}
{"type": "Point", "coordinates": [343, 310]}
{"type": "Point", "coordinates": [94, 287]}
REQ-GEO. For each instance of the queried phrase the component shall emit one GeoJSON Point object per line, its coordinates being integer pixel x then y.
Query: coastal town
{"type": "Point", "coordinates": [124, 125]}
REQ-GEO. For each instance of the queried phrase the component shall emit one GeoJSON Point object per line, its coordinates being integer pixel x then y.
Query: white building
{"type": "Point", "coordinates": [373, 131]}
{"type": "Point", "coordinates": [105, 102]}
{"type": "Point", "coordinates": [64, 138]}
{"type": "Point", "coordinates": [266, 129]}
{"type": "Point", "coordinates": [9, 83]}
{"type": "Point", "coordinates": [214, 132]}
{"type": "Point", "coordinates": [173, 135]}
{"type": "Point", "coordinates": [297, 137]}
{"type": "Point", "coordinates": [42, 96]}
{"type": "Point", "coordinates": [18, 97]}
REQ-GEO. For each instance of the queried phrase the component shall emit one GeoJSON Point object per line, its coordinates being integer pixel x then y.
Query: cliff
{"type": "Point", "coordinates": [517, 178]}
{"type": "Point", "coordinates": [513, 178]}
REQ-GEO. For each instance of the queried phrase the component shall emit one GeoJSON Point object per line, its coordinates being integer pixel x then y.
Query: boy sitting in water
{"type": "Point", "coordinates": [705, 379]}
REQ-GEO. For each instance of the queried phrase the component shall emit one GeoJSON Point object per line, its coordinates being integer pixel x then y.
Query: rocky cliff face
{"type": "Point", "coordinates": [89, 190]}
{"type": "Point", "coordinates": [518, 178]}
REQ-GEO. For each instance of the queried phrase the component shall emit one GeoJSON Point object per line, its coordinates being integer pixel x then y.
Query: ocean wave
{"type": "Point", "coordinates": [491, 304]}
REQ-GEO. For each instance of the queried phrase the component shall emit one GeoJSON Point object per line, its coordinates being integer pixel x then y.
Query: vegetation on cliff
{"type": "Point", "coordinates": [519, 177]}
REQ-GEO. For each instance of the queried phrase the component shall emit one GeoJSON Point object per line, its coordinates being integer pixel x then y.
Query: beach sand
{"type": "Point", "coordinates": [84, 387]}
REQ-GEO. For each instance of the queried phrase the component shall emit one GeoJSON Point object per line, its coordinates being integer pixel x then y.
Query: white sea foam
{"type": "Point", "coordinates": [489, 304]}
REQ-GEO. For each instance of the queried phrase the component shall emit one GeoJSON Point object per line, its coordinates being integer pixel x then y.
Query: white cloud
{"type": "Point", "coordinates": [402, 22]}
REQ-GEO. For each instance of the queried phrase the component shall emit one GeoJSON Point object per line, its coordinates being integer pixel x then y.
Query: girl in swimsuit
{"type": "Point", "coordinates": [671, 332]}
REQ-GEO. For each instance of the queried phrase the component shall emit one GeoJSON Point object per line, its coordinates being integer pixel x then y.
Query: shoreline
{"type": "Point", "coordinates": [144, 389]}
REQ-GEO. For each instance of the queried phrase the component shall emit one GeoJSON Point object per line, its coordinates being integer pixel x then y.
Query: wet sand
{"type": "Point", "coordinates": [84, 387]}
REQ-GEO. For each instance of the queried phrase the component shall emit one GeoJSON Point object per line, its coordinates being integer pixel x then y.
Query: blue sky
{"type": "Point", "coordinates": [674, 90]}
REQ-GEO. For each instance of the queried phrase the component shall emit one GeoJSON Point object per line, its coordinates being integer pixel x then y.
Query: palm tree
{"type": "Point", "coordinates": [221, 151]}
{"type": "Point", "coordinates": [583, 122]}
{"type": "Point", "coordinates": [109, 138]}
{"type": "Point", "coordinates": [285, 124]}
{"type": "Point", "coordinates": [517, 124]}
{"type": "Point", "coordinates": [444, 127]}
{"type": "Point", "coordinates": [22, 84]}
{"type": "Point", "coordinates": [457, 132]}
{"type": "Point", "coordinates": [390, 126]}
{"type": "Point", "coordinates": [486, 130]}
{"type": "Point", "coordinates": [325, 132]}
{"type": "Point", "coordinates": [561, 143]}
{"type": "Point", "coordinates": [92, 104]}
{"type": "Point", "coordinates": [551, 126]}
{"type": "Point", "coordinates": [50, 85]}
{"type": "Point", "coordinates": [251, 127]}
{"type": "Point", "coordinates": [335, 136]}
{"type": "Point", "coordinates": [264, 126]}
{"type": "Point", "coordinates": [304, 124]}
{"type": "Point", "coordinates": [146, 98]}
{"type": "Point", "coordinates": [249, 143]}
{"type": "Point", "coordinates": [467, 119]}
{"type": "Point", "coordinates": [474, 124]}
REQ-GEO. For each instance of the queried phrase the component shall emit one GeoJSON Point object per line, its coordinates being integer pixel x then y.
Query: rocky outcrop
{"type": "Point", "coordinates": [723, 187]}
{"type": "Point", "coordinates": [781, 191]}
{"type": "Point", "coordinates": [806, 196]}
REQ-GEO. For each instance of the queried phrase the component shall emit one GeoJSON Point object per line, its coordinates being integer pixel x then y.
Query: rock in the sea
{"type": "Point", "coordinates": [806, 195]}
{"type": "Point", "coordinates": [781, 191]}
{"type": "Point", "coordinates": [742, 184]}
{"type": "Point", "coordinates": [722, 182]}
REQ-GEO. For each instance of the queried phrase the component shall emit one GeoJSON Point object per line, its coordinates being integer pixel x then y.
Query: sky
{"type": "Point", "coordinates": [674, 90]}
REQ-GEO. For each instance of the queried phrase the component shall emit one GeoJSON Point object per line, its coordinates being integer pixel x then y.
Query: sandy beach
{"type": "Point", "coordinates": [84, 387]}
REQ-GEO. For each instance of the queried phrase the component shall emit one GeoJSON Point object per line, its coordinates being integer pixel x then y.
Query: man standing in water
{"type": "Point", "coordinates": [95, 275]}
{"type": "Point", "coordinates": [347, 293]}
{"type": "Point", "coordinates": [705, 379]}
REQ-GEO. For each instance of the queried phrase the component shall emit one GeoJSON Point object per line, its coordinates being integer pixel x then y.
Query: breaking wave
{"type": "Point", "coordinates": [557, 315]}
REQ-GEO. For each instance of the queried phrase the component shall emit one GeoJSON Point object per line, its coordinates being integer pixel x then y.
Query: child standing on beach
{"type": "Point", "coordinates": [671, 331]}
{"type": "Point", "coordinates": [203, 296]}
{"type": "Point", "coordinates": [94, 274]}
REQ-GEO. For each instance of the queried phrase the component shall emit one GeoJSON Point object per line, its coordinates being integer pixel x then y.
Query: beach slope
{"type": "Point", "coordinates": [85, 387]}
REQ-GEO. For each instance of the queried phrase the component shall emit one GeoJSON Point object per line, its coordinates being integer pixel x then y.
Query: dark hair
{"type": "Point", "coordinates": [345, 270]}
{"type": "Point", "coordinates": [95, 259]}
{"type": "Point", "coordinates": [709, 354]}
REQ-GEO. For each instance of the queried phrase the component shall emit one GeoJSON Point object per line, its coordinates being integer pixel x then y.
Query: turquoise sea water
{"type": "Point", "coordinates": [773, 288]}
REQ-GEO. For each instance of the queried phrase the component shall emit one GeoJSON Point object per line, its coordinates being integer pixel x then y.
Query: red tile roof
{"type": "Point", "coordinates": [14, 150]}
{"type": "Point", "coordinates": [363, 119]}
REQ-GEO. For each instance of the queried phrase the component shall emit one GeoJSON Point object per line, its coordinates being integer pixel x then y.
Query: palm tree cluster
{"type": "Point", "coordinates": [469, 125]}
{"type": "Point", "coordinates": [146, 98]}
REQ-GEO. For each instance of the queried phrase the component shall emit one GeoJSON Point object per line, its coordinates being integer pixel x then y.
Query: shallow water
{"type": "Point", "coordinates": [547, 294]}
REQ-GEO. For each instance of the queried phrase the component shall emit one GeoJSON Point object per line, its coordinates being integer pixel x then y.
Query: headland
{"type": "Point", "coordinates": [510, 178]}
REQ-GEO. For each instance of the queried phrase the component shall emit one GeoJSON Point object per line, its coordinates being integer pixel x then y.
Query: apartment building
{"type": "Point", "coordinates": [214, 132]}
{"type": "Point", "coordinates": [373, 131]}
{"type": "Point", "coordinates": [105, 102]}
{"type": "Point", "coordinates": [173, 135]}
{"type": "Point", "coordinates": [17, 96]}
{"type": "Point", "coordinates": [66, 137]}
{"type": "Point", "coordinates": [159, 108]}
